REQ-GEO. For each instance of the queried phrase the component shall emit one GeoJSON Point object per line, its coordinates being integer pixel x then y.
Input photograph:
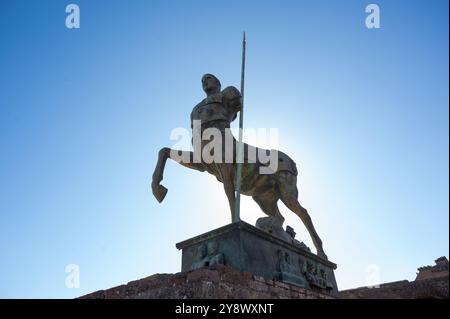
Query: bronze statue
{"type": "Point", "coordinates": [217, 111]}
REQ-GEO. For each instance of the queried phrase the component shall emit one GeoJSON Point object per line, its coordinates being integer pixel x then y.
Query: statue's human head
{"type": "Point", "coordinates": [210, 84]}
{"type": "Point", "coordinates": [200, 251]}
{"type": "Point", "coordinates": [213, 246]}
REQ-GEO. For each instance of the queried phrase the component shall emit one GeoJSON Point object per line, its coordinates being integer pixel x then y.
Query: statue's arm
{"type": "Point", "coordinates": [232, 99]}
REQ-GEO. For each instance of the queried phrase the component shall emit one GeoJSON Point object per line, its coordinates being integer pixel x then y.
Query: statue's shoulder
{"type": "Point", "coordinates": [232, 99]}
{"type": "Point", "coordinates": [230, 93]}
{"type": "Point", "coordinates": [199, 104]}
{"type": "Point", "coordinates": [197, 108]}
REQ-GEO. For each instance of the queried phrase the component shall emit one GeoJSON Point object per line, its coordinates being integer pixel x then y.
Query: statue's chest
{"type": "Point", "coordinates": [209, 109]}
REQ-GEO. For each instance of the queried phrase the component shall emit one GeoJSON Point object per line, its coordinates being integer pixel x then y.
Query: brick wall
{"type": "Point", "coordinates": [419, 289]}
{"type": "Point", "coordinates": [223, 282]}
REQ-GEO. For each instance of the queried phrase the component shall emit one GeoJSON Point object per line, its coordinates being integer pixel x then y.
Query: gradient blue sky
{"type": "Point", "coordinates": [364, 113]}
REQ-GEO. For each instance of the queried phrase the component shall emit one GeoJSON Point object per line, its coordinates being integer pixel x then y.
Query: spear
{"type": "Point", "coordinates": [240, 150]}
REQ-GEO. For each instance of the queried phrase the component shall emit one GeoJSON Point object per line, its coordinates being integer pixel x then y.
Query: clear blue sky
{"type": "Point", "coordinates": [364, 113]}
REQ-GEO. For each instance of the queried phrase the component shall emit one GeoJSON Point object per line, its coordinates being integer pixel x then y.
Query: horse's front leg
{"type": "Point", "coordinates": [158, 190]}
{"type": "Point", "coordinates": [184, 158]}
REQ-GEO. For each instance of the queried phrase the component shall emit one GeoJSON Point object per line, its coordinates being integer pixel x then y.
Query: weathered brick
{"type": "Point", "coordinates": [235, 276]}
{"type": "Point", "coordinates": [115, 293]}
{"type": "Point", "coordinates": [222, 282]}
{"type": "Point", "coordinates": [203, 274]}
{"type": "Point", "coordinates": [259, 286]}
{"type": "Point", "coordinates": [282, 285]}
{"type": "Point", "coordinates": [177, 279]}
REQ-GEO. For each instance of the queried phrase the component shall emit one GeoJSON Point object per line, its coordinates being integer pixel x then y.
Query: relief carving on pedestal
{"type": "Point", "coordinates": [207, 255]}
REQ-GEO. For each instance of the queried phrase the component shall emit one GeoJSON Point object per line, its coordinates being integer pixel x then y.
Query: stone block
{"type": "Point", "coordinates": [257, 253]}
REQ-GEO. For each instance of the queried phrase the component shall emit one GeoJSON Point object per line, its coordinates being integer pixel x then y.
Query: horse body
{"type": "Point", "coordinates": [265, 189]}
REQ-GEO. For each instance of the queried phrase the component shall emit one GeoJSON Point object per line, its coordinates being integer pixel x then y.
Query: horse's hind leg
{"type": "Point", "coordinates": [268, 204]}
{"type": "Point", "coordinates": [227, 176]}
{"type": "Point", "coordinates": [289, 196]}
{"type": "Point", "coordinates": [160, 191]}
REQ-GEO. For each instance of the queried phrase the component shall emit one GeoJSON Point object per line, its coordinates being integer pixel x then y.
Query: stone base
{"type": "Point", "coordinates": [218, 282]}
{"type": "Point", "coordinates": [253, 250]}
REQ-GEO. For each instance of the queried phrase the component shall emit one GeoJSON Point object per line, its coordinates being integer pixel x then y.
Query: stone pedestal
{"type": "Point", "coordinates": [253, 250]}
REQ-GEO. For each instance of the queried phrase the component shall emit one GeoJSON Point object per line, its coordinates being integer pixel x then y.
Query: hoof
{"type": "Point", "coordinates": [159, 192]}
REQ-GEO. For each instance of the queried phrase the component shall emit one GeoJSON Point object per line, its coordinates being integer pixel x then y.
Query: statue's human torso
{"type": "Point", "coordinates": [219, 110]}
{"type": "Point", "coordinates": [219, 106]}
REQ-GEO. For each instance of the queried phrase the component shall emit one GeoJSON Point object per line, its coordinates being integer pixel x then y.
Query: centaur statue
{"type": "Point", "coordinates": [214, 114]}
